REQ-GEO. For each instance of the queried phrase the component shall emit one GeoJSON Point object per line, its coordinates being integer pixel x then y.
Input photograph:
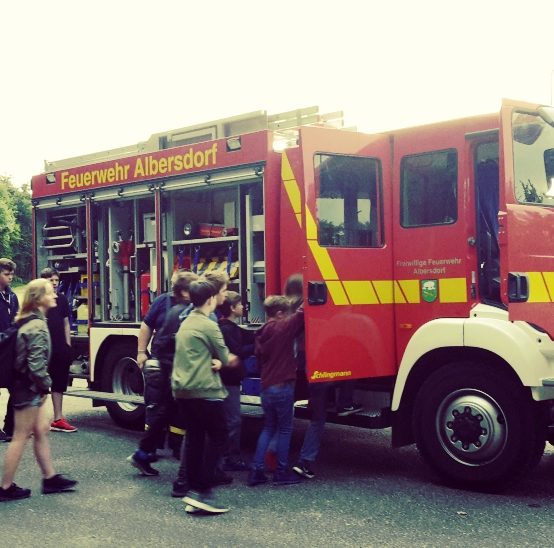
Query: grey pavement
{"type": "Point", "coordinates": [365, 494]}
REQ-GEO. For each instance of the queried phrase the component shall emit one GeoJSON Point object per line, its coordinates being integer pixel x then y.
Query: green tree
{"type": "Point", "coordinates": [16, 225]}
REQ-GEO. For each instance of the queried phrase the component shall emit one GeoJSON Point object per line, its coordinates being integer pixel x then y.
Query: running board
{"type": "Point", "coordinates": [106, 396]}
{"type": "Point", "coordinates": [250, 406]}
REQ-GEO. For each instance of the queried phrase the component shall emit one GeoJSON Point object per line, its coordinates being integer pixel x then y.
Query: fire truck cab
{"type": "Point", "coordinates": [426, 255]}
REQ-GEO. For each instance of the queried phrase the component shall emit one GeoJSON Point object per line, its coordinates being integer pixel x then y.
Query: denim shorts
{"type": "Point", "coordinates": [35, 401]}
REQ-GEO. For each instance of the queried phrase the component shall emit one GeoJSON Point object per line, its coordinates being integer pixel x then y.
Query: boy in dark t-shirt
{"type": "Point", "coordinates": [58, 367]}
{"type": "Point", "coordinates": [230, 312]}
{"type": "Point", "coordinates": [9, 306]}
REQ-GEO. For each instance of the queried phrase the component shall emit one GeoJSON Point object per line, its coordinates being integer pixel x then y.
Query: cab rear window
{"type": "Point", "coordinates": [428, 189]}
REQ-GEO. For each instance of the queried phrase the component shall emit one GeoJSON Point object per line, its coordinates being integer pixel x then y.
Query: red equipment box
{"type": "Point", "coordinates": [213, 230]}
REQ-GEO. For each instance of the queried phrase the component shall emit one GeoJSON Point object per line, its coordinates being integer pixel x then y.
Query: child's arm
{"type": "Point", "coordinates": [233, 335]}
{"type": "Point", "coordinates": [219, 348]}
{"type": "Point", "coordinates": [294, 324]}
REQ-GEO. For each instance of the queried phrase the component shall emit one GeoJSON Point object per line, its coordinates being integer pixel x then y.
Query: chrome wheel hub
{"type": "Point", "coordinates": [127, 379]}
{"type": "Point", "coordinates": [471, 427]}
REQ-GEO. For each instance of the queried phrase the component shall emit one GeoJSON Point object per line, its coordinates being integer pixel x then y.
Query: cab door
{"type": "Point", "coordinates": [526, 222]}
{"type": "Point", "coordinates": [435, 263]}
{"type": "Point", "coordinates": [348, 260]}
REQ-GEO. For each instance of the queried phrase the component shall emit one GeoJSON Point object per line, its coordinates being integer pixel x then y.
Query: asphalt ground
{"type": "Point", "coordinates": [365, 494]}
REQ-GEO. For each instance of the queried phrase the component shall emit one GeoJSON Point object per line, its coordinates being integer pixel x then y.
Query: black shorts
{"type": "Point", "coordinates": [58, 369]}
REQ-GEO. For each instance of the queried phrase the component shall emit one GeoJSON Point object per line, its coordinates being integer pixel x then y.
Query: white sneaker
{"type": "Point", "coordinates": [204, 502]}
{"type": "Point", "coordinates": [350, 410]}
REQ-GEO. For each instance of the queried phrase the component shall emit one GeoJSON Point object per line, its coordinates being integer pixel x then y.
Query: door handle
{"type": "Point", "coordinates": [518, 287]}
{"type": "Point", "coordinates": [317, 293]}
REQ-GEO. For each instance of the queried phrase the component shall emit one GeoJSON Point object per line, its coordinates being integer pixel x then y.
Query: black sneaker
{"type": "Point", "coordinates": [256, 477]}
{"type": "Point", "coordinates": [142, 464]}
{"type": "Point", "coordinates": [350, 410]}
{"type": "Point", "coordinates": [285, 478]}
{"type": "Point", "coordinates": [58, 484]}
{"type": "Point", "coordinates": [4, 437]}
{"type": "Point", "coordinates": [303, 470]}
{"type": "Point", "coordinates": [13, 492]}
{"type": "Point", "coordinates": [179, 489]}
{"type": "Point", "coordinates": [204, 501]}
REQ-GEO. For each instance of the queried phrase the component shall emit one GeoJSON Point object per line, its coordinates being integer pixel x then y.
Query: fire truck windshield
{"type": "Point", "coordinates": [533, 142]}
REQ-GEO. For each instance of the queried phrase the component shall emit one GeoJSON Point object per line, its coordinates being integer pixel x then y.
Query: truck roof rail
{"type": "Point", "coordinates": [285, 126]}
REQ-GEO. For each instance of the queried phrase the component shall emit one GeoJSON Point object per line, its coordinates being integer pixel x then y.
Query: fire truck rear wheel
{"type": "Point", "coordinates": [476, 426]}
{"type": "Point", "coordinates": [122, 374]}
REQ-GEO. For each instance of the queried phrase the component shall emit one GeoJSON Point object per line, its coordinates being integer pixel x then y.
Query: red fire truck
{"type": "Point", "coordinates": [426, 255]}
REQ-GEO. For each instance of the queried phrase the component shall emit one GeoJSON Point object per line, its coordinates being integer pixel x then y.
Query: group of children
{"type": "Point", "coordinates": [198, 352]}
{"type": "Point", "coordinates": [194, 372]}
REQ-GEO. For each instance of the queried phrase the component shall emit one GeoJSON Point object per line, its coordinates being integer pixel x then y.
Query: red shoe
{"type": "Point", "coordinates": [270, 460]}
{"type": "Point", "coordinates": [61, 425]}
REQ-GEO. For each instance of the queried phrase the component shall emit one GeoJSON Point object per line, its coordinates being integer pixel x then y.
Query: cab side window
{"type": "Point", "coordinates": [348, 201]}
{"type": "Point", "coordinates": [428, 189]}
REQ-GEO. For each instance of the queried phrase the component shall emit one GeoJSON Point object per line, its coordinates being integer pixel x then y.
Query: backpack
{"type": "Point", "coordinates": [8, 340]}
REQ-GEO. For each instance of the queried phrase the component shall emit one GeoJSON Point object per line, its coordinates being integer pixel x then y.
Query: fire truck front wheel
{"type": "Point", "coordinates": [476, 426]}
{"type": "Point", "coordinates": [121, 374]}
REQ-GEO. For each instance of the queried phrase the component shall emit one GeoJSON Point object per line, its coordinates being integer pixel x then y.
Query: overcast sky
{"type": "Point", "coordinates": [79, 77]}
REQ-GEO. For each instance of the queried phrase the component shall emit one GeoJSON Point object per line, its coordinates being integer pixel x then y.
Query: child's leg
{"type": "Point", "coordinates": [158, 399]}
{"type": "Point", "coordinates": [192, 412]}
{"type": "Point", "coordinates": [345, 394]}
{"type": "Point", "coordinates": [231, 405]}
{"type": "Point", "coordinates": [318, 412]}
{"type": "Point", "coordinates": [24, 422]}
{"type": "Point", "coordinates": [269, 429]}
{"type": "Point", "coordinates": [216, 428]}
{"type": "Point", "coordinates": [41, 444]}
{"type": "Point", "coordinates": [285, 414]}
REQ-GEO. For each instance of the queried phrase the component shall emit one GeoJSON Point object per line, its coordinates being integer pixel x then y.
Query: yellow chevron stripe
{"type": "Point", "coordinates": [291, 186]}
{"type": "Point", "coordinates": [398, 296]}
{"type": "Point", "coordinates": [361, 292]}
{"type": "Point", "coordinates": [411, 289]}
{"type": "Point", "coordinates": [337, 292]}
{"type": "Point", "coordinates": [452, 290]}
{"type": "Point", "coordinates": [384, 290]}
{"type": "Point", "coordinates": [311, 226]}
{"type": "Point", "coordinates": [549, 280]}
{"type": "Point", "coordinates": [323, 260]}
{"type": "Point", "coordinates": [538, 292]}
{"type": "Point", "coordinates": [286, 171]}
{"type": "Point", "coordinates": [320, 254]}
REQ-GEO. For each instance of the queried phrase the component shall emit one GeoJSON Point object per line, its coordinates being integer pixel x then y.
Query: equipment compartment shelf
{"type": "Point", "coordinates": [206, 240]}
{"type": "Point", "coordinates": [67, 256]}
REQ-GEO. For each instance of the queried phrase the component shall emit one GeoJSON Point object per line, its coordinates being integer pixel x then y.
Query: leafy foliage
{"type": "Point", "coordinates": [16, 225]}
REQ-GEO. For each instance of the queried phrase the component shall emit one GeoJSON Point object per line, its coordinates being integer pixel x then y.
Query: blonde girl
{"type": "Point", "coordinates": [29, 392]}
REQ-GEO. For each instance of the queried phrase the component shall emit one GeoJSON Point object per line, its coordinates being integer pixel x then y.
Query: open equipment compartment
{"type": "Point", "coordinates": [210, 230]}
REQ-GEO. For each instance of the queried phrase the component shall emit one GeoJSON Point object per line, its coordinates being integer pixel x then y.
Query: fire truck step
{"type": "Point", "coordinates": [251, 411]}
{"type": "Point", "coordinates": [106, 396]}
{"type": "Point", "coordinates": [548, 382]}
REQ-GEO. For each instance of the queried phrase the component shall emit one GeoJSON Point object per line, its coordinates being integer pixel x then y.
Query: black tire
{"type": "Point", "coordinates": [476, 426]}
{"type": "Point", "coordinates": [122, 374]}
